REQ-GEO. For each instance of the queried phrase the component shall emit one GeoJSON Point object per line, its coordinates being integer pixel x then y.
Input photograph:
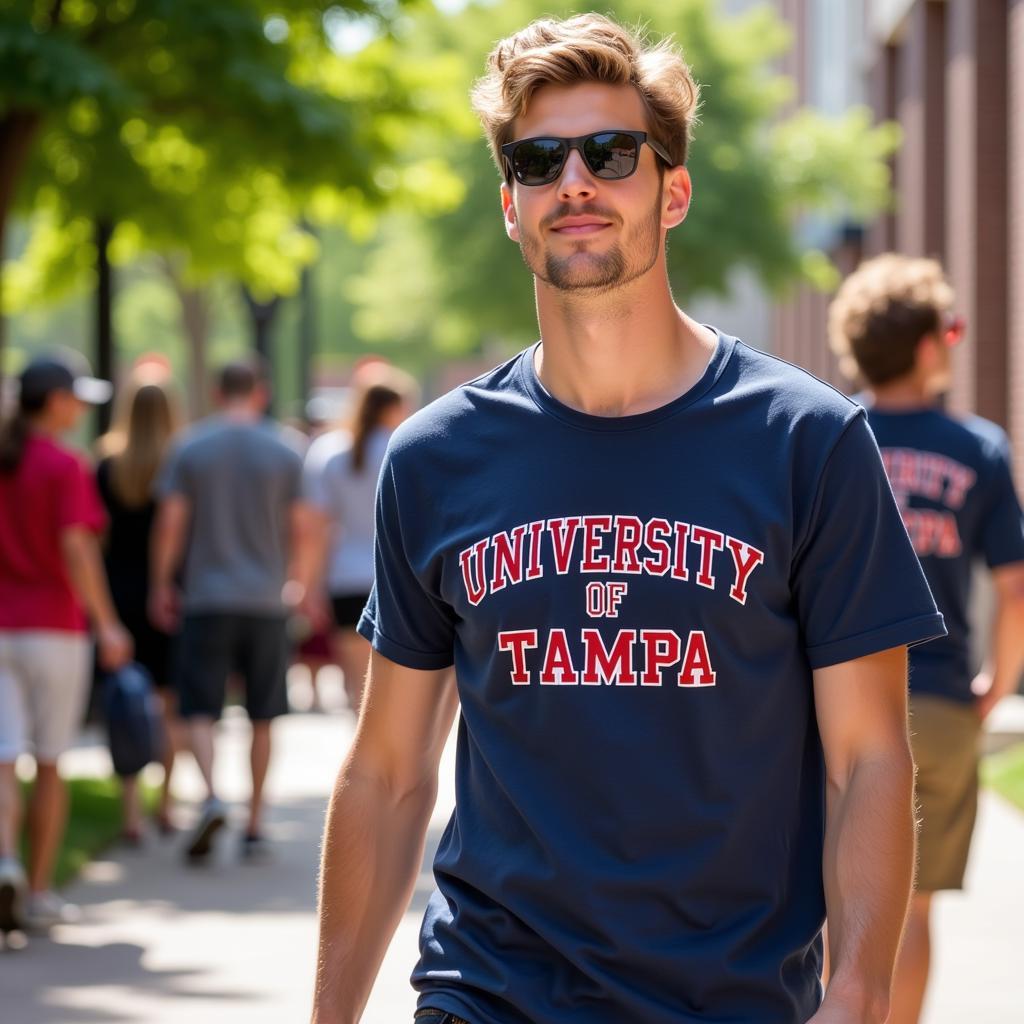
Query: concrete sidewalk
{"type": "Point", "coordinates": [234, 943]}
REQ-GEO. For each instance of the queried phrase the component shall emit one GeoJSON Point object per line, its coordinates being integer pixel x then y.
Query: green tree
{"type": "Point", "coordinates": [458, 281]}
{"type": "Point", "coordinates": [205, 132]}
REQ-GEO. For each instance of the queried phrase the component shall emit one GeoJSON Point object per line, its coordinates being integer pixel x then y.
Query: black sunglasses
{"type": "Point", "coordinates": [611, 155]}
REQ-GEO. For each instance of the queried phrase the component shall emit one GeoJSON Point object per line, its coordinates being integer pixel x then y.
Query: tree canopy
{"type": "Point", "coordinates": [206, 131]}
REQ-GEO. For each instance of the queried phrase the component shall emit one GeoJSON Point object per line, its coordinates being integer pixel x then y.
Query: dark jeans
{"type": "Point", "coordinates": [429, 1016]}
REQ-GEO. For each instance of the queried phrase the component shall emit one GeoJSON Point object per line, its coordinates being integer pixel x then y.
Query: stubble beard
{"type": "Point", "coordinates": [582, 270]}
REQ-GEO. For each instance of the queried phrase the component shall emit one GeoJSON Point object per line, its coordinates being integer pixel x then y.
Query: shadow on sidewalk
{"type": "Point", "coordinates": [40, 983]}
{"type": "Point", "coordinates": [134, 901]}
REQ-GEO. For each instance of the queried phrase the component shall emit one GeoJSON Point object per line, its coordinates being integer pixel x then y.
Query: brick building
{"type": "Point", "coordinates": [951, 72]}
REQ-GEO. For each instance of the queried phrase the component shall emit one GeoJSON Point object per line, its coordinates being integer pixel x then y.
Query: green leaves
{"type": "Point", "coordinates": [210, 130]}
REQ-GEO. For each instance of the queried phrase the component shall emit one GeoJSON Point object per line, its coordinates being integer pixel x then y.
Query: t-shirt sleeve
{"type": "Point", "coordinates": [173, 475]}
{"type": "Point", "coordinates": [1002, 528]}
{"type": "Point", "coordinates": [78, 499]}
{"type": "Point", "coordinates": [405, 618]}
{"type": "Point", "coordinates": [858, 585]}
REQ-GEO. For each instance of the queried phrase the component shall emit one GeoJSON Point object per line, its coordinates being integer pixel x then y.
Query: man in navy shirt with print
{"type": "Point", "coordinates": [892, 324]}
{"type": "Point", "coordinates": [677, 593]}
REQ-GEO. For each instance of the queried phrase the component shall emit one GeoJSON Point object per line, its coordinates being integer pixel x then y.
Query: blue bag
{"type": "Point", "coordinates": [133, 719]}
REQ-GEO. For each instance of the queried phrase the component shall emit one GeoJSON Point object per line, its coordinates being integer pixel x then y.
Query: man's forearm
{"type": "Point", "coordinates": [373, 848]}
{"type": "Point", "coordinates": [868, 867]}
{"type": "Point", "coordinates": [1007, 652]}
{"type": "Point", "coordinates": [168, 541]}
{"type": "Point", "coordinates": [308, 547]}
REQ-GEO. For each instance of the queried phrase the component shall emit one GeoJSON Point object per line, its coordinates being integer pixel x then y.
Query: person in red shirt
{"type": "Point", "coordinates": [52, 583]}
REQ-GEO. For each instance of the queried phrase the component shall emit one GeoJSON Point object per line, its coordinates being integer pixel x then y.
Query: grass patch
{"type": "Point", "coordinates": [1004, 772]}
{"type": "Point", "coordinates": [94, 822]}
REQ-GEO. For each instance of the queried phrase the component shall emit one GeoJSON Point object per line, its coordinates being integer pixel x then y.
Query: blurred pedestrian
{"type": "Point", "coordinates": [892, 323]}
{"type": "Point", "coordinates": [148, 416]}
{"type": "Point", "coordinates": [51, 582]}
{"type": "Point", "coordinates": [342, 490]}
{"type": "Point", "coordinates": [232, 521]}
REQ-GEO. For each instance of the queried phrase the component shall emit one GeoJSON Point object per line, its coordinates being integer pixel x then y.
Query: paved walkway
{"type": "Point", "coordinates": [233, 943]}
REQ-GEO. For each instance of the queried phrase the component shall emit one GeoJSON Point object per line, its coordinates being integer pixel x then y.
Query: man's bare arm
{"type": "Point", "coordinates": [376, 824]}
{"type": "Point", "coordinates": [166, 550]}
{"type": "Point", "coordinates": [308, 548]}
{"type": "Point", "coordinates": [1002, 672]}
{"type": "Point", "coordinates": [869, 834]}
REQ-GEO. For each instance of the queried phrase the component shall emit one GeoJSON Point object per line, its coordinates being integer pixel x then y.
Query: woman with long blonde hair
{"type": "Point", "coordinates": [147, 418]}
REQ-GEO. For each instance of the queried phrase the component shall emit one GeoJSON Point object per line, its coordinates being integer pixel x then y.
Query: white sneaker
{"type": "Point", "coordinates": [211, 821]}
{"type": "Point", "coordinates": [45, 909]}
{"type": "Point", "coordinates": [13, 892]}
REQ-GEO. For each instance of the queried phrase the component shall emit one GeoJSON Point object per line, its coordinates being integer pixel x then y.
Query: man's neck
{"type": "Point", "coordinates": [240, 412]}
{"type": "Point", "coordinates": [625, 352]}
{"type": "Point", "coordinates": [905, 395]}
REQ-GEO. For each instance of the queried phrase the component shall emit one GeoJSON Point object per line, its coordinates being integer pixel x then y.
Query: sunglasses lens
{"type": "Point", "coordinates": [538, 161]}
{"type": "Point", "coordinates": [611, 154]}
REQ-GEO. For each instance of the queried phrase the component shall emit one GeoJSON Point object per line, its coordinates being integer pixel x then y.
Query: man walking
{"type": "Point", "coordinates": [231, 522]}
{"type": "Point", "coordinates": [670, 574]}
{"type": "Point", "coordinates": [892, 322]}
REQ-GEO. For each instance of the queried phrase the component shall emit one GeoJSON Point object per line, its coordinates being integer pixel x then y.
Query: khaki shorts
{"type": "Point", "coordinates": [44, 688]}
{"type": "Point", "coordinates": [944, 736]}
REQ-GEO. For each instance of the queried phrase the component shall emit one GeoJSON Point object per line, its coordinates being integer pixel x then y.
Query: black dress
{"type": "Point", "coordinates": [127, 560]}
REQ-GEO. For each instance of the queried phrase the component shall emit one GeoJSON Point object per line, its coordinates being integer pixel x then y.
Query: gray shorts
{"type": "Point", "coordinates": [44, 689]}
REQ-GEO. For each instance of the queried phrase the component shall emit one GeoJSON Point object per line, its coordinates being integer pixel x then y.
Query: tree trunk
{"type": "Point", "coordinates": [195, 319]}
{"type": "Point", "coordinates": [17, 132]}
{"type": "Point", "coordinates": [104, 318]}
{"type": "Point", "coordinates": [307, 346]}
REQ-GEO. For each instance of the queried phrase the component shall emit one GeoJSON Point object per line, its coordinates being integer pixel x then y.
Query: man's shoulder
{"type": "Point", "coordinates": [287, 443]}
{"type": "Point", "coordinates": [990, 437]}
{"type": "Point", "coordinates": [199, 433]}
{"type": "Point", "coordinates": [791, 395]}
{"type": "Point", "coordinates": [964, 436]}
{"type": "Point", "coordinates": [450, 417]}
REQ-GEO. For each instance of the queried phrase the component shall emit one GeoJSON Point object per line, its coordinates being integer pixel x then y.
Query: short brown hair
{"type": "Point", "coordinates": [241, 377]}
{"type": "Point", "coordinates": [587, 48]}
{"type": "Point", "coordinates": [882, 311]}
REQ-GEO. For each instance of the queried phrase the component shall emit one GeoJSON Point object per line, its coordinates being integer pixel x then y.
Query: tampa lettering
{"type": "Point", "coordinates": [608, 544]}
{"type": "Point", "coordinates": [636, 657]}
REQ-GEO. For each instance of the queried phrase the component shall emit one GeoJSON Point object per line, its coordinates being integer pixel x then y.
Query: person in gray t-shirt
{"type": "Point", "coordinates": [233, 525]}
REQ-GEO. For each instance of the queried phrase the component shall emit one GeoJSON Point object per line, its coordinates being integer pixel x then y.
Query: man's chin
{"type": "Point", "coordinates": [582, 272]}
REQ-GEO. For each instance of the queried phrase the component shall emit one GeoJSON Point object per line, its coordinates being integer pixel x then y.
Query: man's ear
{"type": "Point", "coordinates": [928, 351]}
{"type": "Point", "coordinates": [676, 192]}
{"type": "Point", "coordinates": [508, 209]}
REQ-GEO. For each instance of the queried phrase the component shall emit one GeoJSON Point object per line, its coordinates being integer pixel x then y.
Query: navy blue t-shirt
{"type": "Point", "coordinates": [634, 606]}
{"type": "Point", "coordinates": [954, 485]}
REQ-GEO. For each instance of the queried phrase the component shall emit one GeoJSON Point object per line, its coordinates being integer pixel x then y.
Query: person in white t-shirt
{"type": "Point", "coordinates": [342, 488]}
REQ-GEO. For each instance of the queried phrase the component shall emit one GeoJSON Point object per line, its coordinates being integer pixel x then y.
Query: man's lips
{"type": "Point", "coordinates": [579, 226]}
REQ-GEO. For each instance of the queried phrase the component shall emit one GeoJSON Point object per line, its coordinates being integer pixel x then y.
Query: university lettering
{"type": "Point", "coordinates": [608, 544]}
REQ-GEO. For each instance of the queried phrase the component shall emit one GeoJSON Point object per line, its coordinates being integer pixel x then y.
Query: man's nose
{"type": "Point", "coordinates": [576, 180]}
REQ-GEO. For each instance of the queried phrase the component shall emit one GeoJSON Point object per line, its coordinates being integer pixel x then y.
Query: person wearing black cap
{"type": "Point", "coordinates": [51, 583]}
